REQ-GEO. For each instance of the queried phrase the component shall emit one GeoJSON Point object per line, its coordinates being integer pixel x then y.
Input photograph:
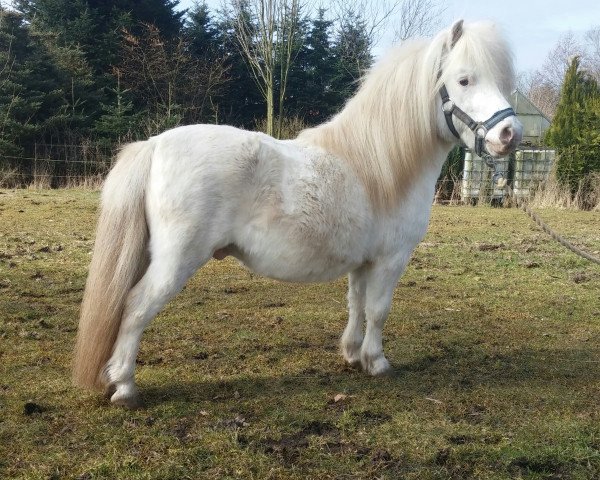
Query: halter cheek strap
{"type": "Point", "coordinates": [480, 129]}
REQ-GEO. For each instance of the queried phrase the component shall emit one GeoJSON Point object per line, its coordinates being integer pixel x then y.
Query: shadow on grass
{"type": "Point", "coordinates": [549, 370]}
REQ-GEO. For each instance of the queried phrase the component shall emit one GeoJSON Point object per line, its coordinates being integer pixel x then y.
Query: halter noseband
{"type": "Point", "coordinates": [480, 129]}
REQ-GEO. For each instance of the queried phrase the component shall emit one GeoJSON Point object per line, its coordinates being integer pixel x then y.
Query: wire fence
{"type": "Point", "coordinates": [525, 171]}
{"type": "Point", "coordinates": [55, 166]}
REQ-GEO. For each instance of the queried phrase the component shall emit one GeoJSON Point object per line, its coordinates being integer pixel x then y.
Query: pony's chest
{"type": "Point", "coordinates": [312, 223]}
{"type": "Point", "coordinates": [322, 203]}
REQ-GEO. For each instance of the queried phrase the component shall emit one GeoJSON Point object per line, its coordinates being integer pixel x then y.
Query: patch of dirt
{"type": "Point", "coordinates": [548, 467]}
{"type": "Point", "coordinates": [456, 468]}
{"type": "Point", "coordinates": [44, 324]}
{"type": "Point", "coordinates": [580, 277]}
{"type": "Point", "coordinates": [369, 417]}
{"type": "Point", "coordinates": [489, 247]}
{"type": "Point", "coordinates": [383, 461]}
{"type": "Point", "coordinates": [232, 290]}
{"type": "Point", "coordinates": [461, 439]}
{"type": "Point", "coordinates": [181, 430]}
{"type": "Point", "coordinates": [273, 305]}
{"type": "Point", "coordinates": [239, 421]}
{"type": "Point", "coordinates": [433, 326]}
{"type": "Point", "coordinates": [200, 356]}
{"type": "Point", "coordinates": [290, 446]}
{"type": "Point", "coordinates": [28, 294]}
{"type": "Point", "coordinates": [31, 408]}
{"type": "Point", "coordinates": [442, 456]}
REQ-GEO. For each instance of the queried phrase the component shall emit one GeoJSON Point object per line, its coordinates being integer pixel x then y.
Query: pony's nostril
{"type": "Point", "coordinates": [506, 135]}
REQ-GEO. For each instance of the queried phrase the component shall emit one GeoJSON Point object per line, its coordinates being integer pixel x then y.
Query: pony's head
{"type": "Point", "coordinates": [394, 128]}
{"type": "Point", "coordinates": [475, 78]}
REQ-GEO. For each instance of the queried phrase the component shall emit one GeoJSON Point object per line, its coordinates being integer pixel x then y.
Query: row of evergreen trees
{"type": "Point", "coordinates": [79, 77]}
{"type": "Point", "coordinates": [77, 71]}
{"type": "Point", "coordinates": [575, 128]}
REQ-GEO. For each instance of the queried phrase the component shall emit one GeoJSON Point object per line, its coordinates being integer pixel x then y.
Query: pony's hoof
{"type": "Point", "coordinates": [126, 395]}
{"type": "Point", "coordinates": [376, 366]}
{"type": "Point", "coordinates": [352, 362]}
{"type": "Point", "coordinates": [131, 402]}
{"type": "Point", "coordinates": [110, 391]}
{"type": "Point", "coordinates": [351, 353]}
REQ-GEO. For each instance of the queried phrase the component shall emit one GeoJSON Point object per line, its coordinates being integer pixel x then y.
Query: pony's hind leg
{"type": "Point", "coordinates": [352, 338]}
{"type": "Point", "coordinates": [164, 278]}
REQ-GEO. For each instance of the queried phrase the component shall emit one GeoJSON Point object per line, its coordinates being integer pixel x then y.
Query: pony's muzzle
{"type": "Point", "coordinates": [505, 137]}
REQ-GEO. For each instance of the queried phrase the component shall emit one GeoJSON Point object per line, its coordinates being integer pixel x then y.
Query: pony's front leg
{"type": "Point", "coordinates": [352, 338]}
{"type": "Point", "coordinates": [381, 282]}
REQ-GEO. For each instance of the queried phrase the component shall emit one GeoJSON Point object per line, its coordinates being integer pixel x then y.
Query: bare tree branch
{"type": "Point", "coordinates": [266, 32]}
{"type": "Point", "coordinates": [543, 86]}
{"type": "Point", "coordinates": [172, 82]}
{"type": "Point", "coordinates": [418, 18]}
{"type": "Point", "coordinates": [558, 60]}
{"type": "Point", "coordinates": [375, 13]}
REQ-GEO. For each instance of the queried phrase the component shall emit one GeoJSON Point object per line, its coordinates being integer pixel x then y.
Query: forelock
{"type": "Point", "coordinates": [482, 46]}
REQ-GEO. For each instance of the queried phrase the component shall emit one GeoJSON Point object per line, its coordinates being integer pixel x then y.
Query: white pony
{"type": "Point", "coordinates": [350, 196]}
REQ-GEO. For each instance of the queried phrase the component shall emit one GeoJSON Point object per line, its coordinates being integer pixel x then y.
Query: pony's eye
{"type": "Point", "coordinates": [464, 81]}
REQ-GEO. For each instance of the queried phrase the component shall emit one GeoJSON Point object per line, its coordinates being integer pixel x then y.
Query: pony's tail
{"type": "Point", "coordinates": [119, 260]}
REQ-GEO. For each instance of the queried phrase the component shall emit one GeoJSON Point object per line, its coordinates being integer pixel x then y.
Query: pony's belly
{"type": "Point", "coordinates": [301, 267]}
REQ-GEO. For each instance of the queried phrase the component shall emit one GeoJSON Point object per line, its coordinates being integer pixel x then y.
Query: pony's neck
{"type": "Point", "coordinates": [387, 132]}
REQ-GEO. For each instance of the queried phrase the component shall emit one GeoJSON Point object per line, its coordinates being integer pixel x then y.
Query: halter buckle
{"type": "Point", "coordinates": [448, 106]}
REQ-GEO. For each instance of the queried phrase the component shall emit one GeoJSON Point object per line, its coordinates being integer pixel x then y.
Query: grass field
{"type": "Point", "coordinates": [494, 336]}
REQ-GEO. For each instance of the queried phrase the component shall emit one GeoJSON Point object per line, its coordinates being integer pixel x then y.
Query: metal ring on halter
{"type": "Point", "coordinates": [448, 106]}
{"type": "Point", "coordinates": [498, 177]}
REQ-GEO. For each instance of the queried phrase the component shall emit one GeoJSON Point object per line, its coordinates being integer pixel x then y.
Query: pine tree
{"type": "Point", "coordinates": [96, 25]}
{"type": "Point", "coordinates": [204, 44]}
{"type": "Point", "coordinates": [86, 35]}
{"type": "Point", "coordinates": [562, 131]}
{"type": "Point", "coordinates": [241, 103]}
{"type": "Point", "coordinates": [575, 128]}
{"type": "Point", "coordinates": [201, 33]}
{"type": "Point", "coordinates": [31, 99]}
{"type": "Point", "coordinates": [352, 51]}
{"type": "Point", "coordinates": [310, 84]}
{"type": "Point", "coordinates": [118, 121]}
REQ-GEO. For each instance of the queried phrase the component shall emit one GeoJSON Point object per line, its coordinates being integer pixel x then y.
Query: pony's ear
{"type": "Point", "coordinates": [456, 33]}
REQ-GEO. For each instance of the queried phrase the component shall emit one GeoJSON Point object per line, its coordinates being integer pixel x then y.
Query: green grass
{"type": "Point", "coordinates": [494, 336]}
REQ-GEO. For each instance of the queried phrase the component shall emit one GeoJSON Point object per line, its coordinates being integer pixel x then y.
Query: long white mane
{"type": "Point", "coordinates": [388, 130]}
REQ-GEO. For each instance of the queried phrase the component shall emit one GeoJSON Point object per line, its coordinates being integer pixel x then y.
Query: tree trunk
{"type": "Point", "coordinates": [270, 107]}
